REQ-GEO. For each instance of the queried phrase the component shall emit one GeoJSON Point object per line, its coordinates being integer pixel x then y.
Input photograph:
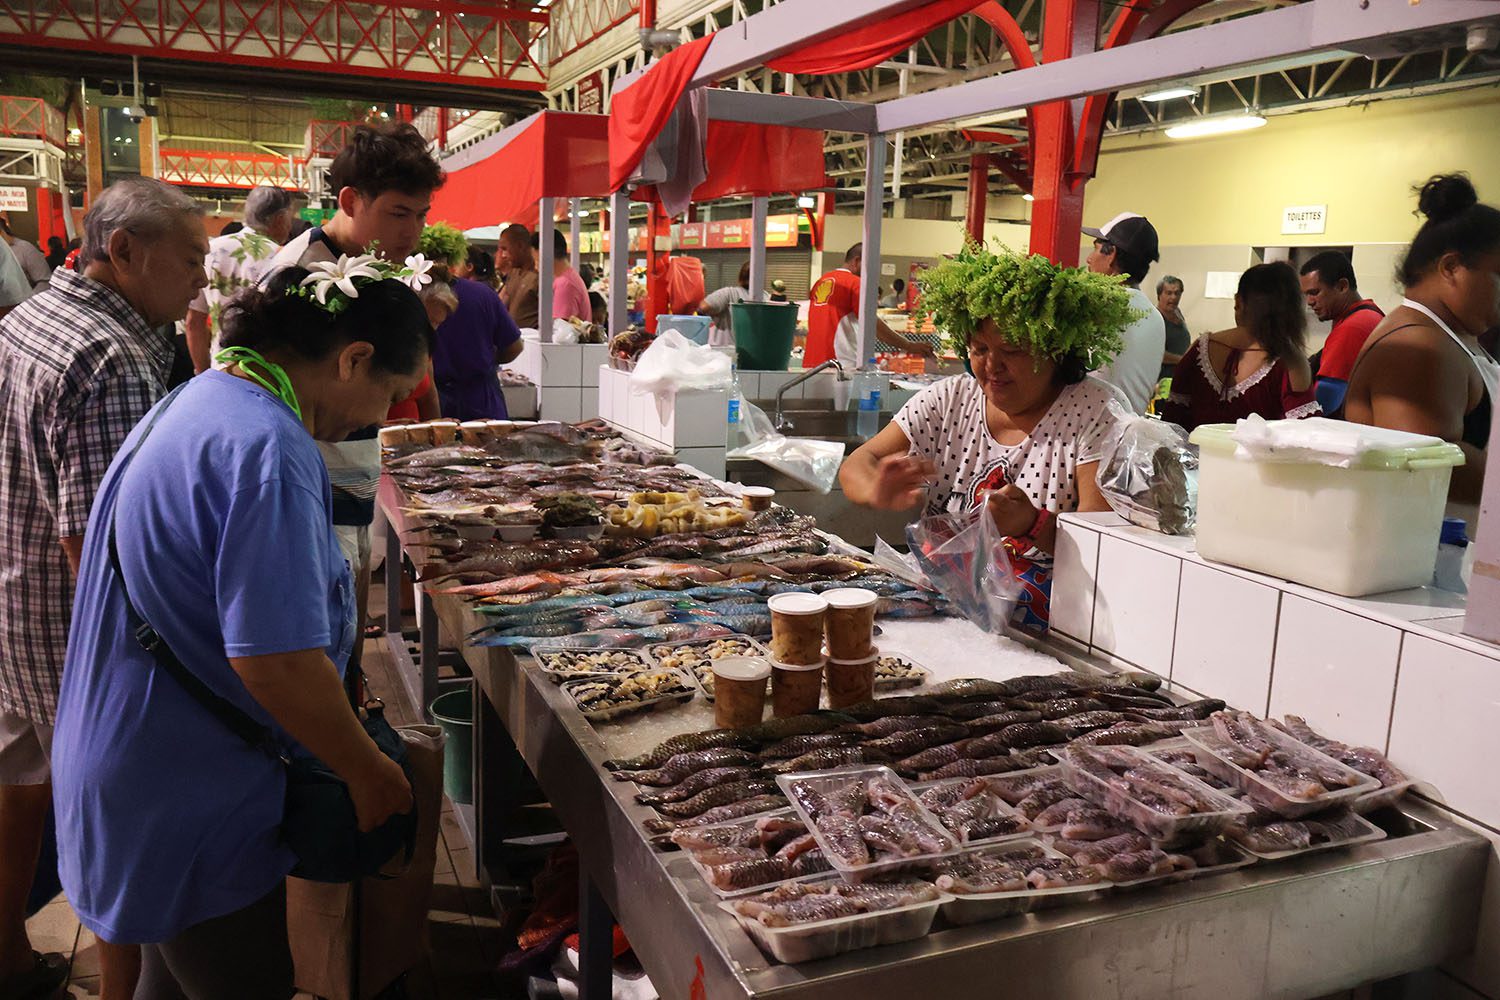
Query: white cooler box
{"type": "Point", "coordinates": [1345, 508]}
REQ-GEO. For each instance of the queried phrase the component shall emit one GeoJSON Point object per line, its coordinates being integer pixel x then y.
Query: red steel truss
{"type": "Point", "coordinates": [468, 42]}
{"type": "Point", "coordinates": [32, 118]}
{"type": "Point", "coordinates": [205, 168]}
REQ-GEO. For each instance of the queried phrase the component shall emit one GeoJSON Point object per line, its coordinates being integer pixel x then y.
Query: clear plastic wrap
{"type": "Point", "coordinates": [963, 556]}
{"type": "Point", "coordinates": [809, 461]}
{"type": "Point", "coordinates": [805, 941]}
{"type": "Point", "coordinates": [673, 362]}
{"type": "Point", "coordinates": [1086, 770]}
{"type": "Point", "coordinates": [1216, 757]}
{"type": "Point", "coordinates": [1149, 473]}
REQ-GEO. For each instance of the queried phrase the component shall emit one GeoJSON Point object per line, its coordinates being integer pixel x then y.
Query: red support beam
{"type": "Point", "coordinates": [1071, 27]}
{"type": "Point", "coordinates": [979, 192]}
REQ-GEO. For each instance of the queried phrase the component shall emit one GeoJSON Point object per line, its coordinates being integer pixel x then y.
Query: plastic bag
{"type": "Point", "coordinates": [964, 558]}
{"type": "Point", "coordinates": [1149, 473]}
{"type": "Point", "coordinates": [673, 362]}
{"type": "Point", "coordinates": [813, 463]}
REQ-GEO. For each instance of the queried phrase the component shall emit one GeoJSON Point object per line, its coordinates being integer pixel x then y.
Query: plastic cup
{"type": "Point", "coordinates": [475, 431]}
{"type": "Point", "coordinates": [850, 623]}
{"type": "Point", "coordinates": [740, 691]}
{"type": "Point", "coordinates": [391, 437]}
{"type": "Point", "coordinates": [444, 432]}
{"type": "Point", "coordinates": [795, 688]}
{"type": "Point", "coordinates": [850, 681]}
{"type": "Point", "coordinates": [797, 628]}
{"type": "Point", "coordinates": [757, 498]}
{"type": "Point", "coordinates": [420, 433]}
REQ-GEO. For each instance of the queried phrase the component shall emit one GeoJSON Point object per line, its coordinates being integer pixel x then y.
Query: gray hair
{"type": "Point", "coordinates": [440, 292]}
{"type": "Point", "coordinates": [1169, 279]}
{"type": "Point", "coordinates": [263, 204]}
{"type": "Point", "coordinates": [142, 205]}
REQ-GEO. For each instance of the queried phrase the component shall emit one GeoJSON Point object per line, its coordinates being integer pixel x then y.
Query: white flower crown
{"type": "Point", "coordinates": [341, 279]}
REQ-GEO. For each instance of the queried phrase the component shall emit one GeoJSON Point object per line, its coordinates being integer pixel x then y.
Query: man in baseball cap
{"type": "Point", "coordinates": [1128, 245]}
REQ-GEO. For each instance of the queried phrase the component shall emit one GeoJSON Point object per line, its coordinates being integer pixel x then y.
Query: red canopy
{"type": "Point", "coordinates": [556, 154]}
{"type": "Point", "coordinates": [756, 160]}
{"type": "Point", "coordinates": [873, 43]}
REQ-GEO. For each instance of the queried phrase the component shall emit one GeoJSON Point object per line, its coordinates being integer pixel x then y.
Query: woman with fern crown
{"type": "Point", "coordinates": [1025, 431]}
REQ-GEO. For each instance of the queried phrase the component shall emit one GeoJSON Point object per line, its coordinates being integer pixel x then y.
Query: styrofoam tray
{"type": "Point", "coordinates": [659, 652]}
{"type": "Point", "coordinates": [1235, 858]}
{"type": "Point", "coordinates": [1371, 834]}
{"type": "Point", "coordinates": [546, 657]}
{"type": "Point", "coordinates": [688, 693]}
{"type": "Point", "coordinates": [1158, 825]}
{"type": "Point", "coordinates": [920, 674]}
{"type": "Point", "coordinates": [1209, 748]}
{"type": "Point", "coordinates": [704, 870]}
{"type": "Point", "coordinates": [821, 781]}
{"type": "Point", "coordinates": [820, 939]}
{"type": "Point", "coordinates": [976, 907]}
{"type": "Point", "coordinates": [1005, 807]}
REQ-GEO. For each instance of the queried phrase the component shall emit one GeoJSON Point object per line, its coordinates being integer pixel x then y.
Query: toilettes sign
{"type": "Point", "coordinates": [1304, 220]}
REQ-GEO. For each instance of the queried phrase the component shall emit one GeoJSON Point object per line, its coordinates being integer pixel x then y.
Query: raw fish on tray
{"type": "Point", "coordinates": [1363, 759]}
{"type": "Point", "coordinates": [1002, 869]}
{"type": "Point", "coordinates": [1297, 774]}
{"type": "Point", "coordinates": [867, 817]}
{"type": "Point", "coordinates": [694, 783]}
{"type": "Point", "coordinates": [803, 902]}
{"type": "Point", "coordinates": [756, 804]}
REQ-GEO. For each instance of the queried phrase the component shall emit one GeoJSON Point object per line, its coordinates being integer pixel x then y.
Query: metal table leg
{"type": "Point", "coordinates": [427, 620]}
{"type": "Point", "coordinates": [595, 941]}
{"type": "Point", "coordinates": [393, 579]}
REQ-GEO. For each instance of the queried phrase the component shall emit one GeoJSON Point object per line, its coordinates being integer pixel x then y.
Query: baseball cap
{"type": "Point", "coordinates": [1130, 232]}
{"type": "Point", "coordinates": [778, 285]}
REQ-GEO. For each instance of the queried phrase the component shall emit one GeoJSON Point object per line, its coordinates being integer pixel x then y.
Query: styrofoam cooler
{"type": "Point", "coordinates": [1367, 524]}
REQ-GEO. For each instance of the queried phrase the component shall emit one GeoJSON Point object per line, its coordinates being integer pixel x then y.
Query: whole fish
{"type": "Point", "coordinates": [894, 724]}
{"type": "Point", "coordinates": [773, 730]}
{"type": "Point", "coordinates": [932, 758]}
{"type": "Point", "coordinates": [679, 766]}
{"type": "Point", "coordinates": [690, 786]}
{"type": "Point", "coordinates": [974, 768]}
{"type": "Point", "coordinates": [880, 708]}
{"type": "Point", "coordinates": [994, 722]}
{"type": "Point", "coordinates": [910, 741]}
{"type": "Point", "coordinates": [720, 795]}
{"type": "Point", "coordinates": [686, 743]}
{"type": "Point", "coordinates": [831, 757]}
{"type": "Point", "coordinates": [721, 814]}
{"type": "Point", "coordinates": [970, 688]}
{"type": "Point", "coordinates": [796, 746]}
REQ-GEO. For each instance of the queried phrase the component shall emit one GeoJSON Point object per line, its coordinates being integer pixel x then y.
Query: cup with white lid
{"type": "Point", "coordinates": [795, 688]}
{"type": "Point", "coordinates": [850, 622]}
{"type": "Point", "coordinates": [850, 681]}
{"type": "Point", "coordinates": [740, 690]}
{"type": "Point", "coordinates": [757, 498]}
{"type": "Point", "coordinates": [797, 628]}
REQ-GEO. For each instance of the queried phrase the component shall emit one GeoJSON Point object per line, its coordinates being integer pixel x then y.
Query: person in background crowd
{"type": "Point", "coordinates": [439, 302]}
{"type": "Point", "coordinates": [519, 293]}
{"type": "Point", "coordinates": [1423, 369]}
{"type": "Point", "coordinates": [570, 296]}
{"type": "Point", "coordinates": [1168, 300]}
{"type": "Point", "coordinates": [384, 181]}
{"type": "Point", "coordinates": [14, 288]}
{"type": "Point", "coordinates": [57, 252]}
{"type": "Point", "coordinates": [716, 305]}
{"type": "Point", "coordinates": [1128, 245]}
{"type": "Point", "coordinates": [230, 228]}
{"type": "Point", "coordinates": [586, 272]}
{"type": "Point", "coordinates": [600, 310]}
{"type": "Point", "coordinates": [1258, 366]}
{"type": "Point", "coordinates": [478, 265]}
{"type": "Point", "coordinates": [833, 319]}
{"type": "Point", "coordinates": [778, 291]}
{"type": "Point", "coordinates": [1332, 295]}
{"type": "Point", "coordinates": [477, 336]}
{"type": "Point", "coordinates": [897, 298]}
{"type": "Point", "coordinates": [233, 260]}
{"type": "Point", "coordinates": [83, 362]}
{"type": "Point", "coordinates": [169, 826]}
{"type": "Point", "coordinates": [32, 261]}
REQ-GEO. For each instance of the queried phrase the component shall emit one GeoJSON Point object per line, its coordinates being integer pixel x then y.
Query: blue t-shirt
{"type": "Point", "coordinates": [165, 817]}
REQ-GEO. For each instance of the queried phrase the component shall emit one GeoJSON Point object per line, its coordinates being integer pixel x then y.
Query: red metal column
{"type": "Point", "coordinates": [979, 191]}
{"type": "Point", "coordinates": [1071, 27]}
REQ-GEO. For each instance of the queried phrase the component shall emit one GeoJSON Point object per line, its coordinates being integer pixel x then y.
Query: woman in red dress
{"type": "Point", "coordinates": [1257, 366]}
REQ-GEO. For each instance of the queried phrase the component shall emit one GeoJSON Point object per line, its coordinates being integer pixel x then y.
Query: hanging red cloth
{"type": "Point", "coordinates": [638, 113]}
{"type": "Point", "coordinates": [873, 43]}
{"type": "Point", "coordinates": [757, 160]}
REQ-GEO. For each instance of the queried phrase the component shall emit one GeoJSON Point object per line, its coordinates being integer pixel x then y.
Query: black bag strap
{"type": "Point", "coordinates": [242, 725]}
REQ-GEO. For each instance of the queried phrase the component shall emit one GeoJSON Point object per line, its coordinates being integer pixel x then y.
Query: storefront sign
{"type": "Point", "coordinates": [1304, 220]}
{"type": "Point", "coordinates": [591, 94]}
{"type": "Point", "coordinates": [13, 199]}
{"type": "Point", "coordinates": [733, 234]}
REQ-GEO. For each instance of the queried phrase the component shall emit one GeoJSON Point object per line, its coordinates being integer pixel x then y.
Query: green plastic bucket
{"type": "Point", "coordinates": [454, 714]}
{"type": "Point", "coordinates": [763, 333]}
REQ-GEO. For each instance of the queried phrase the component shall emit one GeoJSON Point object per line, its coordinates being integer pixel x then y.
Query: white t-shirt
{"type": "Point", "coordinates": [945, 423]}
{"type": "Point", "coordinates": [716, 306]}
{"type": "Point", "coordinates": [231, 264]}
{"type": "Point", "coordinates": [1135, 370]}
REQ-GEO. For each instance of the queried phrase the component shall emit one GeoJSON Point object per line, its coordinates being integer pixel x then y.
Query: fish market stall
{"type": "Point", "coordinates": [1080, 833]}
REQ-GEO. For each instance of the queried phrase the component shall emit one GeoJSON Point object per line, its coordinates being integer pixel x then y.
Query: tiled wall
{"type": "Point", "coordinates": [1391, 671]}
{"type": "Point", "coordinates": [695, 425]}
{"type": "Point", "coordinates": [567, 377]}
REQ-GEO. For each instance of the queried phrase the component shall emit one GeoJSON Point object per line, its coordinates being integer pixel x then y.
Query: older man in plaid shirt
{"type": "Point", "coordinates": [83, 362]}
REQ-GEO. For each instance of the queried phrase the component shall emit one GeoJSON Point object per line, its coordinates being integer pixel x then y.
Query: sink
{"type": "Point", "coordinates": [827, 425]}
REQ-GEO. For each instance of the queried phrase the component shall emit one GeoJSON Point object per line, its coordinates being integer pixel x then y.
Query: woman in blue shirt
{"type": "Point", "coordinates": [169, 824]}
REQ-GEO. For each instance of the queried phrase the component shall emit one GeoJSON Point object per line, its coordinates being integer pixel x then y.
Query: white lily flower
{"type": "Point", "coordinates": [329, 274]}
{"type": "Point", "coordinates": [418, 268]}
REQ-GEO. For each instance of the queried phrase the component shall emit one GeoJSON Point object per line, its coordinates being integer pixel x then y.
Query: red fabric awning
{"type": "Point", "coordinates": [638, 113]}
{"type": "Point", "coordinates": [561, 154]}
{"type": "Point", "coordinates": [756, 160]}
{"type": "Point", "coordinates": [873, 43]}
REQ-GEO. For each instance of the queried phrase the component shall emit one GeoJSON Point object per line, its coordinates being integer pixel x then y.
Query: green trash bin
{"type": "Point", "coordinates": [763, 334]}
{"type": "Point", "coordinates": [454, 714]}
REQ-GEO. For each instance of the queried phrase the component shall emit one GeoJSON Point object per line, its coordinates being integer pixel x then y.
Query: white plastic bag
{"type": "Point", "coordinates": [963, 556]}
{"type": "Point", "coordinates": [1149, 473]}
{"type": "Point", "coordinates": [807, 460]}
{"type": "Point", "coordinates": [564, 332]}
{"type": "Point", "coordinates": [673, 362]}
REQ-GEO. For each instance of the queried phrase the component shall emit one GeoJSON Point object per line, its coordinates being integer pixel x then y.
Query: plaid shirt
{"type": "Point", "coordinates": [81, 368]}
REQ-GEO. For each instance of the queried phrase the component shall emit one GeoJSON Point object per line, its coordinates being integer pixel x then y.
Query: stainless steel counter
{"type": "Point", "coordinates": [1291, 929]}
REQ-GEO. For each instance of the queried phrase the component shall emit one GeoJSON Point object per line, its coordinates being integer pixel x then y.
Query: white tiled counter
{"type": "Point", "coordinates": [566, 377]}
{"type": "Point", "coordinates": [1390, 671]}
{"type": "Point", "coordinates": [694, 425]}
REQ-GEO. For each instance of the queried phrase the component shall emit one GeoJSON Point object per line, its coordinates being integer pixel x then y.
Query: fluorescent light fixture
{"type": "Point", "coordinates": [1028, 197]}
{"type": "Point", "coordinates": [807, 201]}
{"type": "Point", "coordinates": [1169, 94]}
{"type": "Point", "coordinates": [1215, 126]}
{"type": "Point", "coordinates": [582, 213]}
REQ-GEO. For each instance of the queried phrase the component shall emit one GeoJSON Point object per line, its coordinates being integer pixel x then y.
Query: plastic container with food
{"type": "Point", "coordinates": [1339, 829]}
{"type": "Point", "coordinates": [1214, 756]}
{"type": "Point", "coordinates": [796, 688]}
{"type": "Point", "coordinates": [695, 658]}
{"type": "Point", "coordinates": [393, 436]}
{"type": "Point", "coordinates": [445, 432]}
{"type": "Point", "coordinates": [419, 433]}
{"type": "Point", "coordinates": [1212, 813]}
{"type": "Point", "coordinates": [742, 856]}
{"type": "Point", "coordinates": [850, 623]}
{"type": "Point", "coordinates": [826, 786]}
{"type": "Point", "coordinates": [1301, 499]}
{"type": "Point", "coordinates": [1211, 857]}
{"type": "Point", "coordinates": [797, 627]}
{"type": "Point", "coordinates": [611, 696]}
{"type": "Point", "coordinates": [931, 792]}
{"type": "Point", "coordinates": [740, 683]}
{"type": "Point", "coordinates": [1181, 754]}
{"type": "Point", "coordinates": [474, 431]}
{"type": "Point", "coordinates": [964, 907]}
{"type": "Point", "coordinates": [895, 672]}
{"type": "Point", "coordinates": [850, 682]}
{"type": "Point", "coordinates": [803, 942]}
{"type": "Point", "coordinates": [561, 664]}
{"type": "Point", "coordinates": [757, 498]}
{"type": "Point", "coordinates": [578, 532]}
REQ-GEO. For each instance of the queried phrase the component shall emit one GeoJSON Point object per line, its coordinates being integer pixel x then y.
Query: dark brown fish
{"type": "Point", "coordinates": [721, 795]}
{"type": "Point", "coordinates": [680, 766]}
{"type": "Point", "coordinates": [695, 783]}
{"type": "Point", "coordinates": [796, 746]}
{"type": "Point", "coordinates": [999, 720]}
{"type": "Point", "coordinates": [820, 760]}
{"type": "Point", "coordinates": [686, 743]}
{"type": "Point", "coordinates": [894, 724]}
{"type": "Point", "coordinates": [966, 710]}
{"type": "Point", "coordinates": [774, 730]}
{"type": "Point", "coordinates": [910, 741]}
{"type": "Point", "coordinates": [974, 768]}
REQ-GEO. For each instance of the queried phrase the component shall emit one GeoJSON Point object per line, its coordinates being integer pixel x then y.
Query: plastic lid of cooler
{"type": "Point", "coordinates": [1320, 441]}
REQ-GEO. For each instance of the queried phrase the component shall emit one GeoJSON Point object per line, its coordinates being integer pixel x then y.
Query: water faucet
{"type": "Point", "coordinates": [782, 424]}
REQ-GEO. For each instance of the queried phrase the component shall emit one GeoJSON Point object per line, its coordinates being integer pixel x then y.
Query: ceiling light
{"type": "Point", "coordinates": [1028, 197]}
{"type": "Point", "coordinates": [1169, 93]}
{"type": "Point", "coordinates": [807, 201]}
{"type": "Point", "coordinates": [1215, 126]}
{"type": "Point", "coordinates": [582, 213]}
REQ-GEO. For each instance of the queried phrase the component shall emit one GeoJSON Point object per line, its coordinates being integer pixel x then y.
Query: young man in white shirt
{"type": "Point", "coordinates": [1128, 245]}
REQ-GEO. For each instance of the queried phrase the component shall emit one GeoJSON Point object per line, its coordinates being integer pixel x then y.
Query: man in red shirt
{"type": "Point", "coordinates": [1328, 283]}
{"type": "Point", "coordinates": [833, 319]}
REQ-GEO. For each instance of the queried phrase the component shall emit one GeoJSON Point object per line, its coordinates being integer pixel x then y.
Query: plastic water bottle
{"type": "Point", "coordinates": [867, 389]}
{"type": "Point", "coordinates": [1452, 546]}
{"type": "Point", "coordinates": [734, 407]}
